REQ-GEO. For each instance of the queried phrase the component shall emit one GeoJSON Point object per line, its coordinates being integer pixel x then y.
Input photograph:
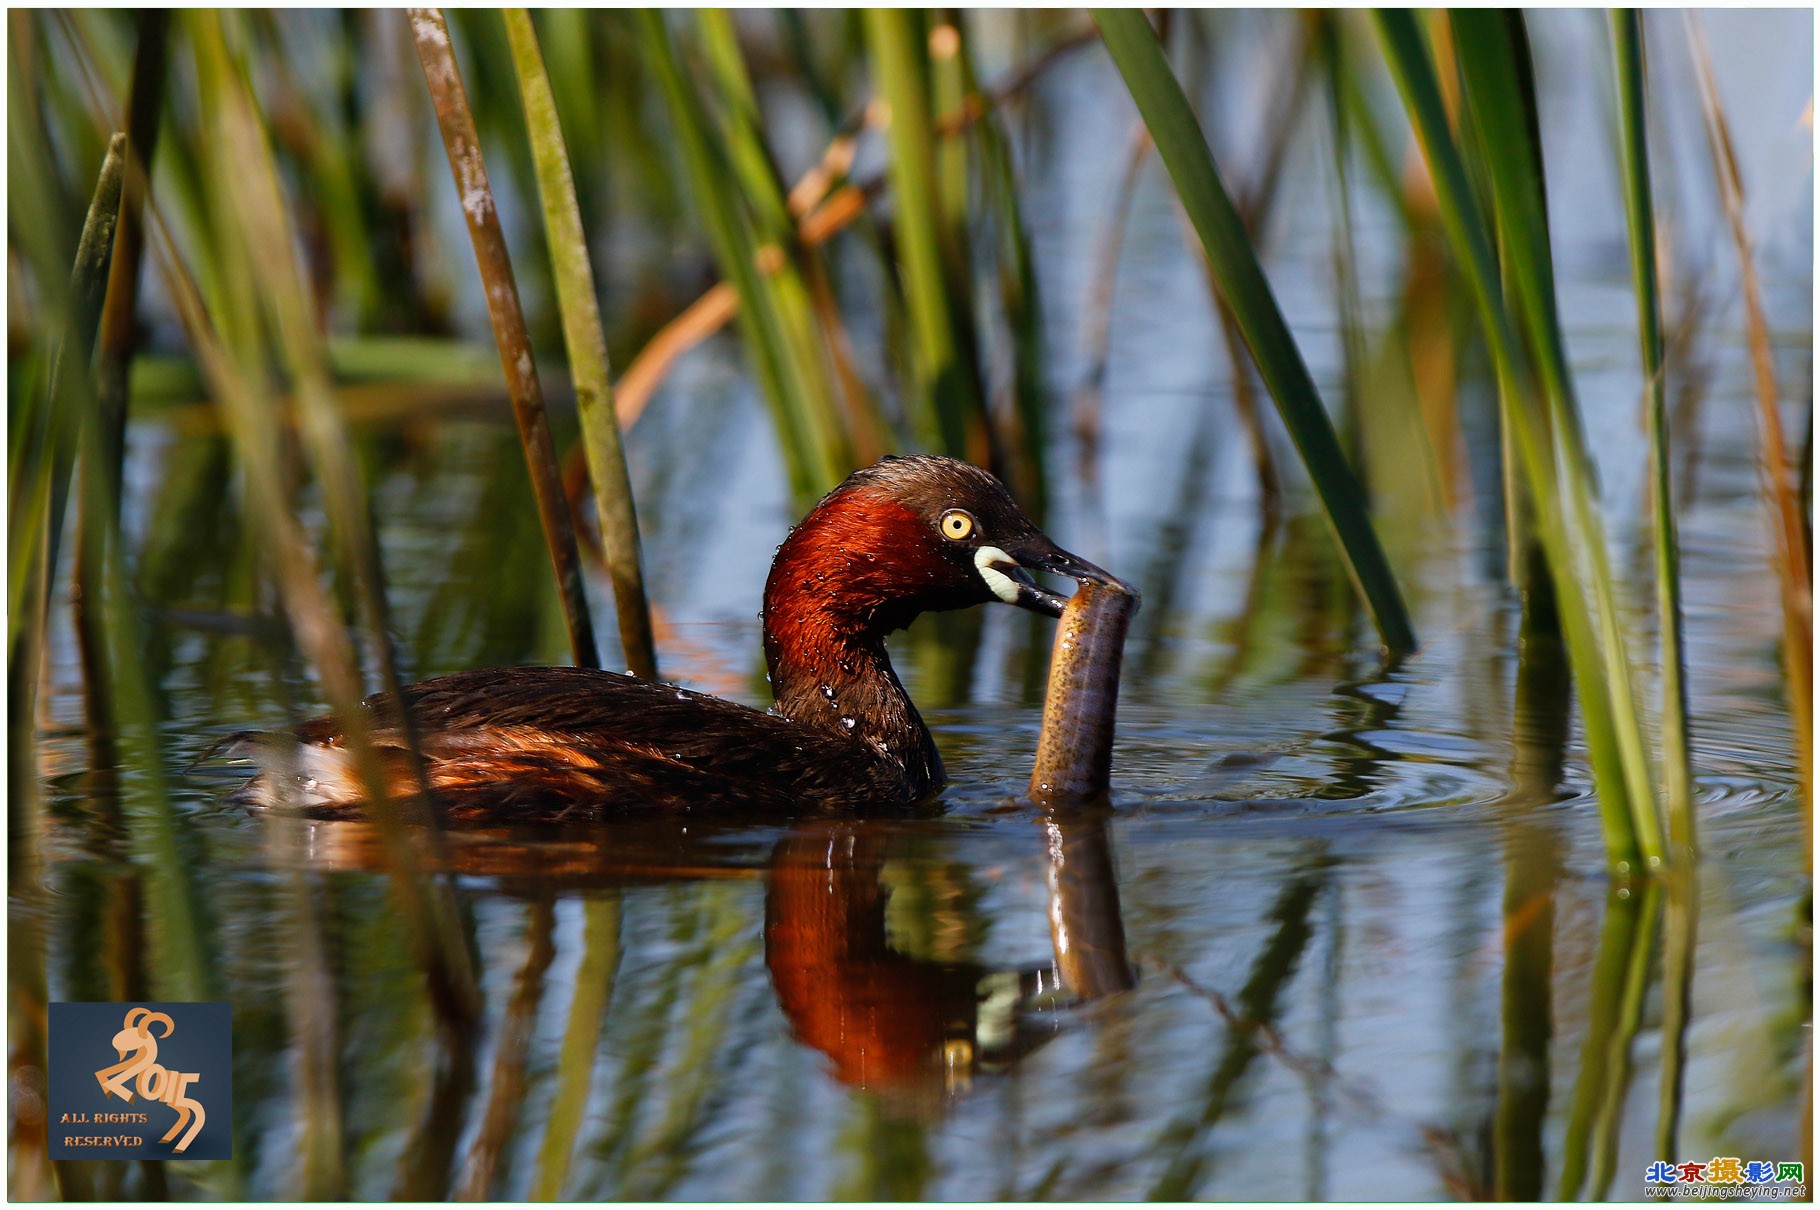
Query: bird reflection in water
{"type": "Point", "coordinates": [910, 1027]}
{"type": "Point", "coordinates": [894, 1023]}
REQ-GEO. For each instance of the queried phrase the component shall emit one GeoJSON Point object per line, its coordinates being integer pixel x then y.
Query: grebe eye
{"type": "Point", "coordinates": [957, 525]}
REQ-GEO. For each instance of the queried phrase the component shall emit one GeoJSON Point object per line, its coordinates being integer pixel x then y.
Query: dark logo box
{"type": "Point", "coordinates": [140, 1080]}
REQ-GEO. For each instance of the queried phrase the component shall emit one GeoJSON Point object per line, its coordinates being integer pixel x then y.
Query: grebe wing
{"type": "Point", "coordinates": [514, 735]}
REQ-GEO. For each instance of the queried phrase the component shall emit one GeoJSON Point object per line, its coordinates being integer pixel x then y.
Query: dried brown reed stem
{"type": "Point", "coordinates": [1787, 528]}
{"type": "Point", "coordinates": [462, 143]}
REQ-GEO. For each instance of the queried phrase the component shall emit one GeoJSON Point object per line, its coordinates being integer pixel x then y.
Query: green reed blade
{"type": "Point", "coordinates": [762, 191]}
{"type": "Point", "coordinates": [118, 336]}
{"type": "Point", "coordinates": [1027, 428]}
{"type": "Point", "coordinates": [1254, 202]}
{"type": "Point", "coordinates": [1382, 171]}
{"type": "Point", "coordinates": [586, 342]}
{"type": "Point", "coordinates": [1183, 149]}
{"type": "Point", "coordinates": [950, 81]}
{"type": "Point", "coordinates": [462, 142]}
{"type": "Point", "coordinates": [568, 52]}
{"type": "Point", "coordinates": [1470, 236]}
{"type": "Point", "coordinates": [1639, 209]}
{"type": "Point", "coordinates": [943, 69]}
{"type": "Point", "coordinates": [1328, 50]}
{"type": "Point", "coordinates": [39, 475]}
{"type": "Point", "coordinates": [741, 121]}
{"type": "Point", "coordinates": [946, 404]}
{"type": "Point", "coordinates": [326, 149]}
{"type": "Point", "coordinates": [797, 42]}
{"type": "Point", "coordinates": [812, 468]}
{"type": "Point", "coordinates": [116, 341]}
{"type": "Point", "coordinates": [1493, 54]}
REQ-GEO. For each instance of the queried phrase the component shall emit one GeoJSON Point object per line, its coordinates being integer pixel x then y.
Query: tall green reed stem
{"type": "Point", "coordinates": [253, 229]}
{"type": "Point", "coordinates": [947, 403]}
{"type": "Point", "coordinates": [45, 446]}
{"type": "Point", "coordinates": [813, 462]}
{"type": "Point", "coordinates": [1639, 209]}
{"type": "Point", "coordinates": [587, 346]}
{"type": "Point", "coordinates": [1623, 823]}
{"type": "Point", "coordinates": [1494, 56]}
{"type": "Point", "coordinates": [178, 926]}
{"type": "Point", "coordinates": [1183, 149]}
{"type": "Point", "coordinates": [1026, 427]}
{"type": "Point", "coordinates": [833, 402]}
{"type": "Point", "coordinates": [462, 142]}
{"type": "Point", "coordinates": [114, 353]}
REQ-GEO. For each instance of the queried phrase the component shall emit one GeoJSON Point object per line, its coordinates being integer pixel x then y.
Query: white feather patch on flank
{"type": "Point", "coordinates": [296, 775]}
{"type": "Point", "coordinates": [1003, 586]}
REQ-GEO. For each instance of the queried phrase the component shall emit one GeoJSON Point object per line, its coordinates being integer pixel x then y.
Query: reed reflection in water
{"type": "Point", "coordinates": [885, 995]}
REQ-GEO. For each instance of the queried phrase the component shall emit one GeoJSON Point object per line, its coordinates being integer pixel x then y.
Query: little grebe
{"type": "Point", "coordinates": [903, 537]}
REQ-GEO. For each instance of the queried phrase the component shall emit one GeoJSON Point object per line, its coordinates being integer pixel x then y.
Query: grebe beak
{"type": "Point", "coordinates": [1006, 571]}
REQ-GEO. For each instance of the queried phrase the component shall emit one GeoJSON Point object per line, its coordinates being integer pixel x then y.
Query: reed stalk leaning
{"type": "Point", "coordinates": [1183, 149]}
{"type": "Point", "coordinates": [462, 143]}
{"type": "Point", "coordinates": [1625, 794]}
{"type": "Point", "coordinates": [1639, 210]}
{"type": "Point", "coordinates": [587, 347]}
{"type": "Point", "coordinates": [1789, 544]}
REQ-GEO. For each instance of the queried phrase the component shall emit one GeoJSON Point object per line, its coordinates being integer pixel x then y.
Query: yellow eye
{"type": "Point", "coordinates": [957, 526]}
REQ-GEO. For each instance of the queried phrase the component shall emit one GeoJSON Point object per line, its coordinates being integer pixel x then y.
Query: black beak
{"type": "Point", "coordinates": [1038, 553]}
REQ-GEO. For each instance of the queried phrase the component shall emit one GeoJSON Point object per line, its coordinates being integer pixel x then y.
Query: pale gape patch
{"type": "Point", "coordinates": [1003, 586]}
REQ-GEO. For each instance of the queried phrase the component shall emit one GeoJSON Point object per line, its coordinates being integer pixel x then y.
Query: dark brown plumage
{"type": "Point", "coordinates": [900, 538]}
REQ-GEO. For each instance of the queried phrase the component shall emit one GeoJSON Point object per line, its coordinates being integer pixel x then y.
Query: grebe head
{"type": "Point", "coordinates": [910, 535]}
{"type": "Point", "coordinates": [902, 537]}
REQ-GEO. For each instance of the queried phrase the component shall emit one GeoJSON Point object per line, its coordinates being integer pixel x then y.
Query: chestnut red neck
{"type": "Point", "coordinates": [842, 581]}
